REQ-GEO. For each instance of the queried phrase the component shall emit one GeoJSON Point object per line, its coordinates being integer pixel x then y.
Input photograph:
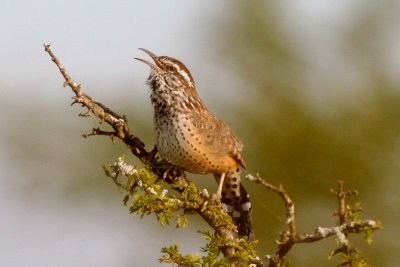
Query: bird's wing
{"type": "Point", "coordinates": [216, 135]}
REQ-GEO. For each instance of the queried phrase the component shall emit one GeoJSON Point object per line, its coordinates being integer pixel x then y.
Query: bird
{"type": "Point", "coordinates": [190, 137]}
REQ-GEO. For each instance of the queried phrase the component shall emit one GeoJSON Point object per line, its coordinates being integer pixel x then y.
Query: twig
{"type": "Point", "coordinates": [287, 238]}
{"type": "Point", "coordinates": [341, 196]}
{"type": "Point", "coordinates": [290, 237]}
{"type": "Point", "coordinates": [117, 122]}
{"type": "Point", "coordinates": [97, 131]}
{"type": "Point", "coordinates": [345, 229]}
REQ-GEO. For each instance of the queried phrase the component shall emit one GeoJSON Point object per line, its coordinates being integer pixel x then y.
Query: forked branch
{"type": "Point", "coordinates": [290, 237]}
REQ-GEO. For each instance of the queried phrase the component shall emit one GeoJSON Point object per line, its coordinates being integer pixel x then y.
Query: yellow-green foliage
{"type": "Point", "coordinates": [149, 195]}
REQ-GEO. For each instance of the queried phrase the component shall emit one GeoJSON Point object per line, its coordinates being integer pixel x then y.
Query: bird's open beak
{"type": "Point", "coordinates": [156, 66]}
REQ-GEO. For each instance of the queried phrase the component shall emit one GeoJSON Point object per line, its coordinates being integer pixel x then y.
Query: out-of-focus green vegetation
{"type": "Point", "coordinates": [306, 138]}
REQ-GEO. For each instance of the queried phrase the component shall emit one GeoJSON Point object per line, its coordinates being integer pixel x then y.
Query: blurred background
{"type": "Point", "coordinates": [311, 88]}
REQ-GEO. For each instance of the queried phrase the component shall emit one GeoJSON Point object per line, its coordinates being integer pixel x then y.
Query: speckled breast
{"type": "Point", "coordinates": [179, 143]}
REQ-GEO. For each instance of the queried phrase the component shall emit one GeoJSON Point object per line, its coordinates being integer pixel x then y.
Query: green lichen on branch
{"type": "Point", "coordinates": [244, 251]}
{"type": "Point", "coordinates": [148, 194]}
{"type": "Point", "coordinates": [212, 256]}
{"type": "Point", "coordinates": [173, 256]}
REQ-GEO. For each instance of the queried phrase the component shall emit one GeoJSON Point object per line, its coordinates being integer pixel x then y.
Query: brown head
{"type": "Point", "coordinates": [171, 83]}
{"type": "Point", "coordinates": [164, 66]}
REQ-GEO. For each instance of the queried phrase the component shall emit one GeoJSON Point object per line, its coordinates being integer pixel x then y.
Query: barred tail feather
{"type": "Point", "coordinates": [237, 204]}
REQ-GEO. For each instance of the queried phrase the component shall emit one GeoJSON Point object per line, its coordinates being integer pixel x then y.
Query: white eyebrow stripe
{"type": "Point", "coordinates": [176, 65]}
{"type": "Point", "coordinates": [185, 76]}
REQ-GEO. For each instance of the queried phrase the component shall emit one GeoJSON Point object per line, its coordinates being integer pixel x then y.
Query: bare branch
{"type": "Point", "coordinates": [287, 238]}
{"type": "Point", "coordinates": [97, 131]}
{"type": "Point", "coordinates": [339, 231]}
{"type": "Point", "coordinates": [290, 237]}
{"type": "Point", "coordinates": [341, 196]}
{"type": "Point", "coordinates": [117, 122]}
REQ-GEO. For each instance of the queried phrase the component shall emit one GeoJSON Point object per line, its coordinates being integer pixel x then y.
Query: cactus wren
{"type": "Point", "coordinates": [192, 138]}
